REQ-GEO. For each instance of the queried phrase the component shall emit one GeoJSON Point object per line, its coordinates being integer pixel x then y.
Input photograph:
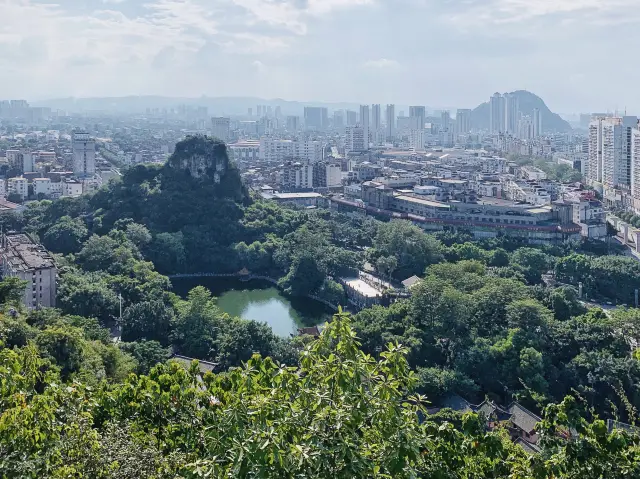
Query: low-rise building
{"type": "Point", "coordinates": [18, 186]}
{"type": "Point", "coordinates": [298, 199]}
{"type": "Point", "coordinates": [22, 258]}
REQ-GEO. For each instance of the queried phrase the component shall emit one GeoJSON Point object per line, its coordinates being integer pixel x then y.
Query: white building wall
{"type": "Point", "coordinates": [334, 176]}
{"type": "Point", "coordinates": [84, 154]}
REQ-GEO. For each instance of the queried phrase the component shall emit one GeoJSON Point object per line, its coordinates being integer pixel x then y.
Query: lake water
{"type": "Point", "coordinates": [259, 301]}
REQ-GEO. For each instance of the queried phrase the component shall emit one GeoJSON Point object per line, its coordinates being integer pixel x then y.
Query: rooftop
{"type": "Point", "coordinates": [361, 287]}
{"type": "Point", "coordinates": [285, 196]}
{"type": "Point", "coordinates": [433, 204]}
{"type": "Point", "coordinates": [24, 255]}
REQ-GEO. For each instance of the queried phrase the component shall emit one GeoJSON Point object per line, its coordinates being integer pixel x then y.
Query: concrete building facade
{"type": "Point", "coordinates": [22, 258]}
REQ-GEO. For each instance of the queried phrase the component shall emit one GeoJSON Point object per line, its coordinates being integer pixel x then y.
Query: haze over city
{"type": "Point", "coordinates": [442, 54]}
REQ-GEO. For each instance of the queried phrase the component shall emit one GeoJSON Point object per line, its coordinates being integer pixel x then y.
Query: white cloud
{"type": "Point", "coordinates": [381, 63]}
{"type": "Point", "coordinates": [478, 13]}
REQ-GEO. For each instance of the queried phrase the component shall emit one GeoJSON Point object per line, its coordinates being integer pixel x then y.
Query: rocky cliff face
{"type": "Point", "coordinates": [201, 157]}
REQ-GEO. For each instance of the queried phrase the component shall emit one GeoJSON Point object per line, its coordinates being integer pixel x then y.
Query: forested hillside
{"type": "Point", "coordinates": [480, 323]}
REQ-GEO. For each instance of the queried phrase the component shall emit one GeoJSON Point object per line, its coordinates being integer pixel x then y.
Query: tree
{"type": "Point", "coordinates": [15, 198]}
{"type": "Point", "coordinates": [386, 265]}
{"type": "Point", "coordinates": [65, 236]}
{"type": "Point", "coordinates": [86, 296]}
{"type": "Point", "coordinates": [304, 276]}
{"type": "Point", "coordinates": [100, 253]}
{"type": "Point", "coordinates": [196, 326]}
{"type": "Point", "coordinates": [499, 258]}
{"type": "Point", "coordinates": [65, 346]}
{"type": "Point", "coordinates": [413, 249]}
{"type": "Point", "coordinates": [149, 320]}
{"type": "Point", "coordinates": [12, 290]}
{"type": "Point", "coordinates": [534, 263]}
{"type": "Point", "coordinates": [147, 354]}
{"type": "Point", "coordinates": [138, 234]}
{"type": "Point", "coordinates": [167, 252]}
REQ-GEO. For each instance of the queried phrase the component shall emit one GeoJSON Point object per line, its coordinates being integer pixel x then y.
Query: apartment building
{"type": "Point", "coordinates": [355, 139]}
{"type": "Point", "coordinates": [296, 175]}
{"type": "Point", "coordinates": [220, 128]}
{"type": "Point", "coordinates": [22, 258]}
{"type": "Point", "coordinates": [18, 186]}
{"type": "Point", "coordinates": [84, 154]}
{"type": "Point", "coordinates": [277, 150]}
{"type": "Point", "coordinates": [617, 150]}
{"type": "Point", "coordinates": [245, 150]}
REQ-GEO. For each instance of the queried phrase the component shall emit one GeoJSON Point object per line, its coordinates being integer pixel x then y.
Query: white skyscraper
{"type": "Point", "coordinates": [525, 128]}
{"type": "Point", "coordinates": [635, 168]}
{"type": "Point", "coordinates": [28, 162]}
{"type": "Point", "coordinates": [417, 139]}
{"type": "Point", "coordinates": [593, 170]}
{"type": "Point", "coordinates": [391, 121]}
{"type": "Point", "coordinates": [355, 139]}
{"type": "Point", "coordinates": [365, 123]}
{"type": "Point", "coordinates": [511, 113]}
{"type": "Point", "coordinates": [537, 122]}
{"type": "Point", "coordinates": [376, 118]}
{"type": "Point", "coordinates": [616, 151]}
{"type": "Point", "coordinates": [220, 128]}
{"type": "Point", "coordinates": [84, 154]}
{"type": "Point", "coordinates": [417, 115]}
{"type": "Point", "coordinates": [445, 120]}
{"type": "Point", "coordinates": [463, 121]}
{"type": "Point", "coordinates": [496, 113]}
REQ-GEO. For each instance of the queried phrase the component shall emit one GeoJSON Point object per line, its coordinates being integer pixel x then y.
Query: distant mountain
{"type": "Point", "coordinates": [527, 102]}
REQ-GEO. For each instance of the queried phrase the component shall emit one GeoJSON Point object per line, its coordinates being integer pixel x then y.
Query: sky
{"type": "Point", "coordinates": [578, 55]}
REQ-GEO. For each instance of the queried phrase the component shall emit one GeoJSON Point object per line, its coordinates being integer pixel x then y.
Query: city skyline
{"type": "Point", "coordinates": [282, 49]}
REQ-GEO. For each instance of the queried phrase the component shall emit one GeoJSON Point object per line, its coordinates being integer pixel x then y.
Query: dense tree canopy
{"type": "Point", "coordinates": [340, 413]}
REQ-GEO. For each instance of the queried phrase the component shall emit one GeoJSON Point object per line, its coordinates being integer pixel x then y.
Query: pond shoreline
{"type": "Point", "coordinates": [247, 278]}
{"type": "Point", "coordinates": [258, 298]}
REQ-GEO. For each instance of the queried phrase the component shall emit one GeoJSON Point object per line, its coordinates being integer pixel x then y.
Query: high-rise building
{"type": "Point", "coordinates": [315, 118]}
{"type": "Point", "coordinates": [445, 120]}
{"type": "Point", "coordinates": [355, 139]}
{"type": "Point", "coordinates": [293, 124]}
{"type": "Point", "coordinates": [250, 112]}
{"type": "Point", "coordinates": [365, 120]}
{"type": "Point", "coordinates": [417, 139]}
{"type": "Point", "coordinates": [220, 128]}
{"type": "Point", "coordinates": [537, 123]}
{"type": "Point", "coordinates": [496, 113]}
{"type": "Point", "coordinates": [617, 150]}
{"type": "Point", "coordinates": [338, 119]}
{"type": "Point", "coordinates": [278, 113]}
{"type": "Point", "coordinates": [84, 154]}
{"type": "Point", "coordinates": [463, 121]}
{"type": "Point", "coordinates": [418, 115]}
{"type": "Point", "coordinates": [259, 111]}
{"type": "Point", "coordinates": [296, 175]}
{"type": "Point", "coordinates": [352, 118]}
{"type": "Point", "coordinates": [635, 168]}
{"type": "Point", "coordinates": [391, 121]}
{"type": "Point", "coordinates": [28, 162]}
{"type": "Point", "coordinates": [511, 113]}
{"type": "Point", "coordinates": [327, 175]}
{"type": "Point", "coordinates": [376, 118]}
{"type": "Point", "coordinates": [525, 128]}
{"type": "Point", "coordinates": [593, 170]}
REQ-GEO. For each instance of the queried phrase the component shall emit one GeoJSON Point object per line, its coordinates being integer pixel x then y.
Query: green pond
{"type": "Point", "coordinates": [259, 301]}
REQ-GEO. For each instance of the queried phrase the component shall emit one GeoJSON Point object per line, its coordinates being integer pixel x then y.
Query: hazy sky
{"type": "Point", "coordinates": [578, 55]}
